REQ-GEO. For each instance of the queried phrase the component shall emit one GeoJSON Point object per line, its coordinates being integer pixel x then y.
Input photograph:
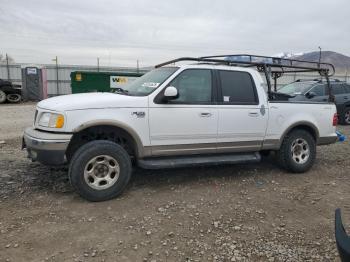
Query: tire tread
{"type": "Point", "coordinates": [283, 156]}
{"type": "Point", "coordinates": [87, 151]}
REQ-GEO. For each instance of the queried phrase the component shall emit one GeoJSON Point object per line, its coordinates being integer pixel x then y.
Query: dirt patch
{"type": "Point", "coordinates": [14, 118]}
{"type": "Point", "coordinates": [230, 213]}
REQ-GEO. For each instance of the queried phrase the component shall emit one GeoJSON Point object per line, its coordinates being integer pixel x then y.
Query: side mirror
{"type": "Point", "coordinates": [170, 92]}
{"type": "Point", "coordinates": [310, 95]}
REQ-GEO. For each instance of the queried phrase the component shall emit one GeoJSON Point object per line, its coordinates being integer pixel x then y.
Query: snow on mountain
{"type": "Point", "coordinates": [287, 55]}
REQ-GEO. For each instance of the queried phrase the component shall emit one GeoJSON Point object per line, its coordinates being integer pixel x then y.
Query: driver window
{"type": "Point", "coordinates": [194, 86]}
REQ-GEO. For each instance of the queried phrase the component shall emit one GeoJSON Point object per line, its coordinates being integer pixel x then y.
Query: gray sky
{"type": "Point", "coordinates": [120, 32]}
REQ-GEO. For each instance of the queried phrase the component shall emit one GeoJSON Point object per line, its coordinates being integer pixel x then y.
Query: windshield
{"type": "Point", "coordinates": [296, 88]}
{"type": "Point", "coordinates": [149, 82]}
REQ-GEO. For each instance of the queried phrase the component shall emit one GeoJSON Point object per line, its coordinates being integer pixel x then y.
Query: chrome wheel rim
{"type": "Point", "coordinates": [347, 117]}
{"type": "Point", "coordinates": [300, 151]}
{"type": "Point", "coordinates": [101, 172]}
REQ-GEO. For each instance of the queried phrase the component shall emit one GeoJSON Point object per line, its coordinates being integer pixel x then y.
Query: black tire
{"type": "Point", "coordinates": [14, 98]}
{"type": "Point", "coordinates": [87, 153]}
{"type": "Point", "coordinates": [285, 156]}
{"type": "Point", "coordinates": [2, 97]}
{"type": "Point", "coordinates": [345, 117]}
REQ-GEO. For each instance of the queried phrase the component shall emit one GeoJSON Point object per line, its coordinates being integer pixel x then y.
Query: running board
{"type": "Point", "coordinates": [187, 161]}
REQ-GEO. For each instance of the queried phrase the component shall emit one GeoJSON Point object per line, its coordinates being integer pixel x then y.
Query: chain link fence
{"type": "Point", "coordinates": [62, 85]}
{"type": "Point", "coordinates": [58, 78]}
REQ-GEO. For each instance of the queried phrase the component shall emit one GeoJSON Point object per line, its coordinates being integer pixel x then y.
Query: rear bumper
{"type": "Point", "coordinates": [326, 140]}
{"type": "Point", "coordinates": [46, 148]}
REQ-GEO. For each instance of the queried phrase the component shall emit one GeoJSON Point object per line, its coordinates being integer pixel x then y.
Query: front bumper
{"type": "Point", "coordinates": [45, 147]}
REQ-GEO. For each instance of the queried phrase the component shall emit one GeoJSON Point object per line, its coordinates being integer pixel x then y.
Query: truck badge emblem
{"type": "Point", "coordinates": [139, 114]}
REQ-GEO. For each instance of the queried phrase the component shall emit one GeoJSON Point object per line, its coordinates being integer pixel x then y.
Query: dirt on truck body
{"type": "Point", "coordinates": [230, 213]}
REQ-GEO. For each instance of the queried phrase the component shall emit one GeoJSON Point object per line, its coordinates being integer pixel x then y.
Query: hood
{"type": "Point", "coordinates": [92, 100]}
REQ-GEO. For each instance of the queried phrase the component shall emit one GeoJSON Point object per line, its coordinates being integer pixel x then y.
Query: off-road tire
{"type": "Point", "coordinates": [2, 97]}
{"type": "Point", "coordinates": [14, 98]}
{"type": "Point", "coordinates": [284, 154]}
{"type": "Point", "coordinates": [82, 158]}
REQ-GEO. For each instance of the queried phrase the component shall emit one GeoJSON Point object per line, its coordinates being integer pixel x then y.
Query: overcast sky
{"type": "Point", "coordinates": [120, 32]}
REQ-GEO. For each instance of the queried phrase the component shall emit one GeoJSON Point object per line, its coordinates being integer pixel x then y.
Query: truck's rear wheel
{"type": "Point", "coordinates": [298, 151]}
{"type": "Point", "coordinates": [100, 170]}
{"type": "Point", "coordinates": [2, 96]}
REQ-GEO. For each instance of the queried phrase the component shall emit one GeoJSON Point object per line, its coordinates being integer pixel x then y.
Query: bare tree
{"type": "Point", "coordinates": [3, 59]}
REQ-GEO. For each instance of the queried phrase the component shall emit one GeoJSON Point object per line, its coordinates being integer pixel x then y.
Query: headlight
{"type": "Point", "coordinates": [51, 120]}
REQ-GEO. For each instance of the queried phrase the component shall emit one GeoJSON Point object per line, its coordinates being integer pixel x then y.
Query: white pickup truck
{"type": "Point", "coordinates": [175, 116]}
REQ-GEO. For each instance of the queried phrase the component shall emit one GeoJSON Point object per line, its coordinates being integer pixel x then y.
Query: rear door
{"type": "Point", "coordinates": [342, 98]}
{"type": "Point", "coordinates": [339, 91]}
{"type": "Point", "coordinates": [242, 116]}
{"type": "Point", "coordinates": [346, 92]}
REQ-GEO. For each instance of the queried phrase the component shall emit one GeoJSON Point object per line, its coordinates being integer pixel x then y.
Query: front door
{"type": "Point", "coordinates": [187, 124]}
{"type": "Point", "coordinates": [320, 93]}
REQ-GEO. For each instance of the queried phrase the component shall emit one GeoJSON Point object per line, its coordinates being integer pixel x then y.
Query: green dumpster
{"type": "Point", "coordinates": [84, 81]}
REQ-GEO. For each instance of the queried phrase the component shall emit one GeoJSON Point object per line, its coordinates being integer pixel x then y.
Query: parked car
{"type": "Point", "coordinates": [9, 92]}
{"type": "Point", "coordinates": [317, 91]}
{"type": "Point", "coordinates": [176, 116]}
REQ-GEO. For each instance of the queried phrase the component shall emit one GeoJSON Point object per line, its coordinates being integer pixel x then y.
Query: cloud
{"type": "Point", "coordinates": [120, 32]}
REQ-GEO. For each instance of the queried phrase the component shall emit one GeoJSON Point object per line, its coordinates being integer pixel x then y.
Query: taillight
{"type": "Point", "coordinates": [335, 119]}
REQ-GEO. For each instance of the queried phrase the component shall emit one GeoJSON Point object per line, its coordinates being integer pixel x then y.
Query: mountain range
{"type": "Point", "coordinates": [340, 61]}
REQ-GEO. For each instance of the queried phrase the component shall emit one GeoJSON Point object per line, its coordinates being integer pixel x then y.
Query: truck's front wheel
{"type": "Point", "coordinates": [100, 170]}
{"type": "Point", "coordinates": [298, 151]}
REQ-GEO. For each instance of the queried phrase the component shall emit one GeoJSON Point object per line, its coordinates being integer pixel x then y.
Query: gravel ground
{"type": "Point", "coordinates": [14, 119]}
{"type": "Point", "coordinates": [230, 213]}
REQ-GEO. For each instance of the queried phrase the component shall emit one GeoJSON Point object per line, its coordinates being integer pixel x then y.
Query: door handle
{"type": "Point", "coordinates": [253, 114]}
{"type": "Point", "coordinates": [205, 114]}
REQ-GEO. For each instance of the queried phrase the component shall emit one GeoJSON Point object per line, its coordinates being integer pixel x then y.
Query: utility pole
{"type": "Point", "coordinates": [319, 61]}
{"type": "Point", "coordinates": [57, 86]}
{"type": "Point", "coordinates": [8, 67]}
{"type": "Point", "coordinates": [98, 64]}
{"type": "Point", "coordinates": [346, 74]}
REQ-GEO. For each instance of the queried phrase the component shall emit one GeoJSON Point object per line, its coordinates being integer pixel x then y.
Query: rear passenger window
{"type": "Point", "coordinates": [337, 89]}
{"type": "Point", "coordinates": [347, 88]}
{"type": "Point", "coordinates": [237, 88]}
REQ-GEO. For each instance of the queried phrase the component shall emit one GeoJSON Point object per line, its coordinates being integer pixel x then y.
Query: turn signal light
{"type": "Point", "coordinates": [59, 121]}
